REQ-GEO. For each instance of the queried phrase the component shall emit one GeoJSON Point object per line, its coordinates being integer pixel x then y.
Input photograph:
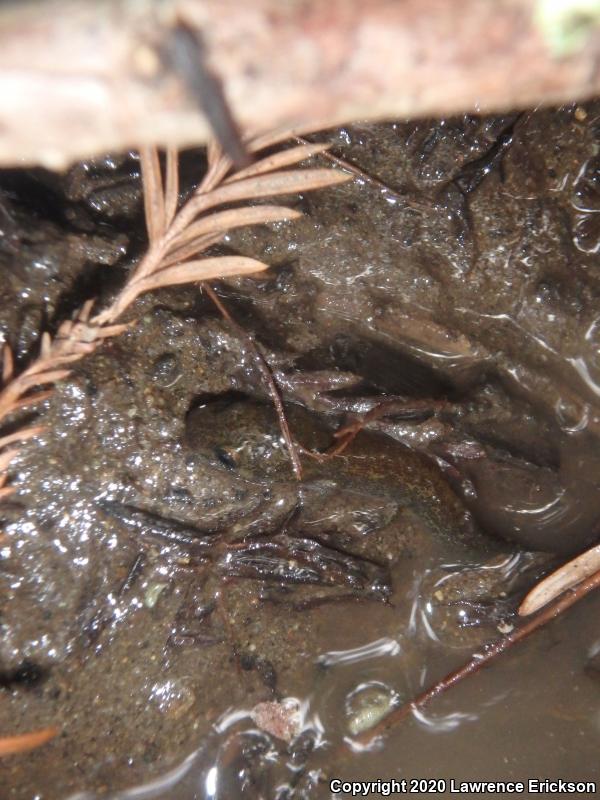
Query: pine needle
{"type": "Point", "coordinates": [21, 435]}
{"type": "Point", "coordinates": [285, 158]}
{"type": "Point", "coordinates": [7, 364]}
{"type": "Point", "coordinates": [223, 221]}
{"type": "Point", "coordinates": [284, 182]}
{"type": "Point", "coordinates": [201, 270]}
{"type": "Point", "coordinates": [5, 459]}
{"type": "Point", "coordinates": [192, 248]}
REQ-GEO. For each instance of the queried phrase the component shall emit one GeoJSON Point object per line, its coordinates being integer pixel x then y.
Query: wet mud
{"type": "Point", "coordinates": [200, 624]}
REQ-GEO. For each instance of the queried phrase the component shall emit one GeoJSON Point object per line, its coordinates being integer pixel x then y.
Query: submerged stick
{"type": "Point", "coordinates": [479, 660]}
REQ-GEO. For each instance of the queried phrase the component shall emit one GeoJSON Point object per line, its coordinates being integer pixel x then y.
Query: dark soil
{"type": "Point", "coordinates": [162, 572]}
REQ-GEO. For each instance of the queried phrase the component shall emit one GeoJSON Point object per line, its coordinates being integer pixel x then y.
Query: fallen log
{"type": "Point", "coordinates": [82, 78]}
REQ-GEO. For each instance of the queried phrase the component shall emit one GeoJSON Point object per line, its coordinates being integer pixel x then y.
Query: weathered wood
{"type": "Point", "coordinates": [80, 78]}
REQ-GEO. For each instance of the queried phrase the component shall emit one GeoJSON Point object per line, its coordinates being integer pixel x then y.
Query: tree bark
{"type": "Point", "coordinates": [83, 78]}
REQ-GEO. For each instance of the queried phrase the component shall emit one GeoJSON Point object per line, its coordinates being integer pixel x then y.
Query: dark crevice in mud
{"type": "Point", "coordinates": [23, 190]}
{"type": "Point", "coordinates": [171, 595]}
{"type": "Point", "coordinates": [383, 367]}
{"type": "Point", "coordinates": [27, 675]}
{"type": "Point", "coordinates": [95, 283]}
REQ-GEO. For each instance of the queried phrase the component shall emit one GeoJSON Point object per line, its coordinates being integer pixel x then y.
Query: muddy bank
{"type": "Point", "coordinates": [162, 572]}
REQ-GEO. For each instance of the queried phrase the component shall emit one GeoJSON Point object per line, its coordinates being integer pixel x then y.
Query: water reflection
{"type": "Point", "coordinates": [353, 689]}
{"type": "Point", "coordinates": [153, 789]}
{"type": "Point", "coordinates": [381, 647]}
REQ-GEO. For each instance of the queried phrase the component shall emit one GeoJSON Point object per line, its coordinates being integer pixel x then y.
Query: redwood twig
{"type": "Point", "coordinates": [479, 660]}
{"type": "Point", "coordinates": [176, 238]}
{"type": "Point", "coordinates": [348, 433]}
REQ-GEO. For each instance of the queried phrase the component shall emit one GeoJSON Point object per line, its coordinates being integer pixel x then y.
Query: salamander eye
{"type": "Point", "coordinates": [225, 458]}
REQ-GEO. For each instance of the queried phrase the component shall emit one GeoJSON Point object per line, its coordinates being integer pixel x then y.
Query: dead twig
{"type": "Point", "coordinates": [269, 380]}
{"type": "Point", "coordinates": [479, 660]}
{"type": "Point", "coordinates": [366, 177]}
{"type": "Point", "coordinates": [390, 407]}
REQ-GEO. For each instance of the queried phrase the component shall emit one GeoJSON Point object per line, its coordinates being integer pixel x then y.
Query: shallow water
{"type": "Point", "coordinates": [506, 723]}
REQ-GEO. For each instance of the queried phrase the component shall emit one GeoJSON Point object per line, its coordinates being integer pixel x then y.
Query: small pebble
{"type": "Point", "coordinates": [505, 627]}
{"type": "Point", "coordinates": [282, 720]}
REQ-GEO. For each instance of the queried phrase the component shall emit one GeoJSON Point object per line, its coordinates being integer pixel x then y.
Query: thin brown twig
{"type": "Point", "coordinates": [345, 435]}
{"type": "Point", "coordinates": [265, 371]}
{"type": "Point", "coordinates": [480, 660]}
{"type": "Point", "coordinates": [360, 173]}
